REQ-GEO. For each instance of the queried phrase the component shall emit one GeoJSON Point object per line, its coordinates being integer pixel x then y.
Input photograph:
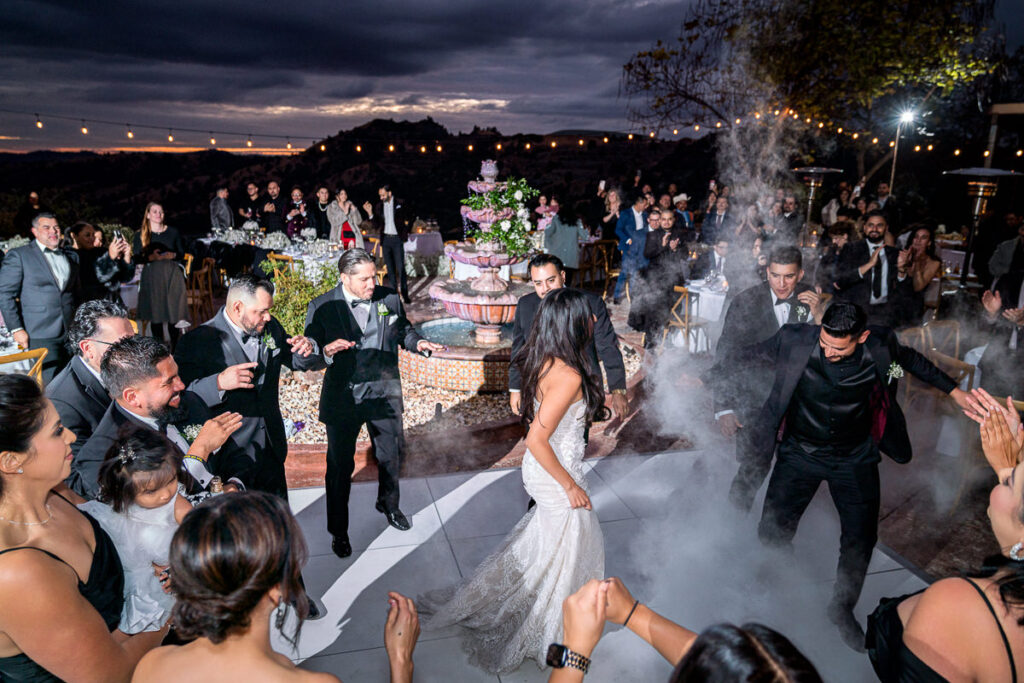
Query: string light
{"type": "Point", "coordinates": [391, 148]}
{"type": "Point", "coordinates": [439, 148]}
{"type": "Point", "coordinates": [956, 152]}
{"type": "Point", "coordinates": [470, 148]}
{"type": "Point", "coordinates": [289, 144]}
{"type": "Point", "coordinates": [85, 129]}
{"type": "Point", "coordinates": [874, 141]}
{"type": "Point", "coordinates": [820, 124]}
{"type": "Point", "coordinates": [652, 133]}
{"type": "Point", "coordinates": [323, 148]}
{"type": "Point", "coordinates": [129, 132]}
{"type": "Point", "coordinates": [528, 145]}
{"type": "Point", "coordinates": [248, 142]}
{"type": "Point", "coordinates": [553, 144]}
{"type": "Point", "coordinates": [498, 146]}
{"type": "Point", "coordinates": [892, 143]}
{"type": "Point", "coordinates": [931, 147]}
{"type": "Point", "coordinates": [675, 131]}
{"type": "Point", "coordinates": [856, 135]}
{"type": "Point", "coordinates": [1020, 152]}
{"type": "Point", "coordinates": [986, 154]}
{"type": "Point", "coordinates": [605, 141]}
{"type": "Point", "coordinates": [718, 124]}
{"type": "Point", "coordinates": [630, 136]}
{"type": "Point", "coordinates": [757, 115]}
{"type": "Point", "coordinates": [917, 148]}
{"type": "Point", "coordinates": [737, 121]}
{"type": "Point", "coordinates": [581, 142]}
{"type": "Point", "coordinates": [839, 130]}
{"type": "Point", "coordinates": [213, 140]}
{"type": "Point", "coordinates": [170, 135]}
{"type": "Point", "coordinates": [776, 112]}
{"type": "Point", "coordinates": [39, 124]}
{"type": "Point", "coordinates": [423, 149]}
{"type": "Point", "coordinates": [696, 127]}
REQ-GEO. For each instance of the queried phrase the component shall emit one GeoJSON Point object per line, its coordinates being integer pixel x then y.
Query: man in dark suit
{"type": "Point", "coordinates": [358, 327]}
{"type": "Point", "coordinates": [788, 224]}
{"type": "Point", "coordinates": [874, 276]}
{"type": "Point", "coordinates": [77, 391]}
{"type": "Point", "coordinates": [37, 286]}
{"type": "Point", "coordinates": [142, 378]}
{"type": "Point", "coordinates": [1000, 322]}
{"type": "Point", "coordinates": [713, 260]}
{"type": "Point", "coordinates": [833, 400]}
{"type": "Point", "coordinates": [274, 207]}
{"type": "Point", "coordinates": [233, 361]}
{"type": "Point", "coordinates": [548, 274]}
{"type": "Point", "coordinates": [388, 221]}
{"type": "Point", "coordinates": [631, 229]}
{"type": "Point", "coordinates": [718, 223]}
{"type": "Point", "coordinates": [754, 315]}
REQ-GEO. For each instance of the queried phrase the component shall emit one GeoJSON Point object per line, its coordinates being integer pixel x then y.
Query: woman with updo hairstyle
{"type": "Point", "coordinates": [235, 565]}
{"type": "Point", "coordinates": [61, 580]}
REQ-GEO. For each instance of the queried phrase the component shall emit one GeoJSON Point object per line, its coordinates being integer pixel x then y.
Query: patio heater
{"type": "Point", "coordinates": [982, 184]}
{"type": "Point", "coordinates": [814, 178]}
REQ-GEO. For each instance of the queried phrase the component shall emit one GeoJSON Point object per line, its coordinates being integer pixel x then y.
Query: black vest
{"type": "Point", "coordinates": [830, 412]}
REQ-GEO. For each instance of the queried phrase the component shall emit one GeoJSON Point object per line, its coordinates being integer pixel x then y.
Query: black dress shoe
{"type": "Point", "coordinates": [395, 518]}
{"type": "Point", "coordinates": [341, 546]}
{"type": "Point", "coordinates": [849, 629]}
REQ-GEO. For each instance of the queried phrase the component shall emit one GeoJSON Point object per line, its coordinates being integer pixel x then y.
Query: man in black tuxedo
{"type": "Point", "coordinates": [548, 274]}
{"type": "Point", "coordinates": [788, 224]}
{"type": "Point", "coordinates": [37, 293]}
{"type": "Point", "coordinates": [77, 392]}
{"type": "Point", "coordinates": [833, 400]}
{"type": "Point", "coordinates": [143, 380]}
{"type": "Point", "coordinates": [717, 224]}
{"type": "Point", "coordinates": [233, 361]}
{"type": "Point", "coordinates": [388, 221]}
{"type": "Point", "coordinates": [358, 327]}
{"type": "Point", "coordinates": [874, 276]}
{"type": "Point", "coordinates": [1000, 321]}
{"type": "Point", "coordinates": [274, 207]}
{"type": "Point", "coordinates": [754, 315]}
{"type": "Point", "coordinates": [713, 260]}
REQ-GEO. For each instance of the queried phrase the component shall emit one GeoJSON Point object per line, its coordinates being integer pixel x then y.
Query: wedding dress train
{"type": "Point", "coordinates": [511, 607]}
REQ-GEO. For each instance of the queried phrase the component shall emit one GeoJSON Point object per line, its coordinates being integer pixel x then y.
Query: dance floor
{"type": "Point", "coordinates": [669, 534]}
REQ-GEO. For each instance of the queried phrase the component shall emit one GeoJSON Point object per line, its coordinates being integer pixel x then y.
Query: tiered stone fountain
{"type": "Point", "coordinates": [479, 334]}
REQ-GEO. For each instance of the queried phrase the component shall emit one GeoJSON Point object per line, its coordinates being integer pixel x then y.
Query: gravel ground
{"type": "Point", "coordinates": [427, 409]}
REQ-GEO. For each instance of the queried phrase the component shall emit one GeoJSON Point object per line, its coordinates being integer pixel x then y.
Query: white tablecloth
{"type": "Point", "coordinates": [424, 243]}
{"type": "Point", "coordinates": [710, 304]}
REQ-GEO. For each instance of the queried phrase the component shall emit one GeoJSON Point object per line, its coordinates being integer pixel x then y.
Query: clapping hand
{"type": "Point", "coordinates": [992, 301]}
{"type": "Point", "coordinates": [583, 614]}
{"type": "Point", "coordinates": [214, 433]}
{"type": "Point", "coordinates": [1001, 448]}
{"type": "Point", "coordinates": [236, 377]}
{"type": "Point", "coordinates": [368, 208]}
{"type": "Point", "coordinates": [983, 404]}
{"type": "Point", "coordinates": [1014, 315]}
{"type": "Point", "coordinates": [337, 346]}
{"type": "Point", "coordinates": [903, 260]}
{"type": "Point", "coordinates": [300, 345]}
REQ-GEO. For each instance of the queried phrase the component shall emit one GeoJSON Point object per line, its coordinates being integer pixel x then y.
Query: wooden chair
{"type": "Point", "coordinates": [588, 266]}
{"type": "Point", "coordinates": [611, 276]}
{"type": "Point", "coordinates": [189, 258]}
{"type": "Point", "coordinates": [377, 252]}
{"type": "Point", "coordinates": [687, 322]}
{"type": "Point", "coordinates": [200, 295]}
{"type": "Point", "coordinates": [281, 262]}
{"type": "Point", "coordinates": [35, 355]}
{"type": "Point", "coordinates": [943, 335]}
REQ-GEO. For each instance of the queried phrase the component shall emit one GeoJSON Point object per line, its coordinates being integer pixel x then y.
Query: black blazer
{"type": "Point", "coordinates": [229, 461]}
{"type": "Point", "coordinates": [604, 343]}
{"type": "Point", "coordinates": [328, 317]}
{"type": "Point", "coordinates": [80, 400]}
{"type": "Point", "coordinates": [377, 222]}
{"type": "Point", "coordinates": [749, 319]}
{"type": "Point", "coordinates": [210, 348]}
{"type": "Point", "coordinates": [852, 287]}
{"type": "Point", "coordinates": [789, 351]}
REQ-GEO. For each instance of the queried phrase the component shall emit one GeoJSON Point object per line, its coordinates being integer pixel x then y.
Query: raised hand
{"type": "Point", "coordinates": [1014, 315]}
{"type": "Point", "coordinates": [992, 302]}
{"type": "Point", "coordinates": [998, 443]}
{"type": "Point", "coordinates": [903, 260]}
{"type": "Point", "coordinates": [728, 424]}
{"type": "Point", "coordinates": [236, 377]}
{"type": "Point", "coordinates": [337, 346]}
{"type": "Point", "coordinates": [813, 300]}
{"type": "Point", "coordinates": [300, 345]}
{"type": "Point", "coordinates": [214, 433]}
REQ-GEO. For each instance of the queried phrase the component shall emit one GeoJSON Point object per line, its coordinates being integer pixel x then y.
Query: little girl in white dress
{"type": "Point", "coordinates": [140, 506]}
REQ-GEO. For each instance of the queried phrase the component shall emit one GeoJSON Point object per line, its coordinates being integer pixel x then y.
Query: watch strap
{"type": "Point", "coordinates": [575, 660]}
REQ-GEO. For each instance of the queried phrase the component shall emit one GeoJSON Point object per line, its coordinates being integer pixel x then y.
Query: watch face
{"type": "Point", "coordinates": [556, 655]}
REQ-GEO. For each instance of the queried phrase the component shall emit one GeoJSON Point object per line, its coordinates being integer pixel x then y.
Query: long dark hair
{"type": "Point", "coordinates": [724, 653]}
{"type": "Point", "coordinates": [561, 329]}
{"type": "Point", "coordinates": [22, 411]}
{"type": "Point", "coordinates": [140, 459]}
{"type": "Point", "coordinates": [227, 554]}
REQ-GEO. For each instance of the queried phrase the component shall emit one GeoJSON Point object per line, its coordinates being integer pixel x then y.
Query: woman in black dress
{"type": "Point", "coordinates": [162, 289]}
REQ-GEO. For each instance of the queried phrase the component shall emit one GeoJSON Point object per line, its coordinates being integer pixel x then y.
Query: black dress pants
{"type": "Point", "coordinates": [855, 492]}
{"type": "Point", "coordinates": [755, 462]}
{"type": "Point", "coordinates": [393, 250]}
{"type": "Point", "coordinates": [268, 472]}
{"type": "Point", "coordinates": [383, 420]}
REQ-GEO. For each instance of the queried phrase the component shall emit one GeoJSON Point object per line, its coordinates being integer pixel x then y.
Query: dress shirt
{"type": "Point", "coordinates": [95, 373]}
{"type": "Point", "coordinates": [389, 218]}
{"type": "Point", "coordinates": [638, 221]}
{"type": "Point", "coordinates": [195, 467]}
{"type": "Point", "coordinates": [360, 312]}
{"type": "Point", "coordinates": [251, 346]}
{"type": "Point", "coordinates": [58, 263]}
{"type": "Point", "coordinates": [885, 274]}
{"type": "Point", "coordinates": [781, 310]}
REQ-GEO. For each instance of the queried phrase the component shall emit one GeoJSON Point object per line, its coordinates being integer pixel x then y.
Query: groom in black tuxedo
{"type": "Point", "coordinates": [547, 274]}
{"type": "Point", "coordinates": [359, 327]}
{"type": "Point", "coordinates": [754, 315]}
{"type": "Point", "coordinates": [233, 361]}
{"type": "Point", "coordinates": [833, 401]}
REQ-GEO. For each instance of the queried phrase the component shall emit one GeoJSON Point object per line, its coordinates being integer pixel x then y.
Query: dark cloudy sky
{"type": "Point", "coordinates": [311, 68]}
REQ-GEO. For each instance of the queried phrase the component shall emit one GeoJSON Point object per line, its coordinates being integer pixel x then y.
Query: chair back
{"type": "Point", "coordinates": [914, 337]}
{"type": "Point", "coordinates": [189, 258]}
{"type": "Point", "coordinates": [944, 336]}
{"type": "Point", "coordinates": [35, 355]}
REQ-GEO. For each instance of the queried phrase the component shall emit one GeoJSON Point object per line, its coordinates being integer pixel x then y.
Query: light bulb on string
{"type": "Point", "coordinates": [821, 124]}
{"type": "Point", "coordinates": [581, 142]}
{"type": "Point", "coordinates": [696, 127]}
{"type": "Point", "coordinates": [439, 148]}
{"type": "Point", "coordinates": [892, 143]}
{"type": "Point", "coordinates": [1020, 152]}
{"type": "Point", "coordinates": [391, 148]}
{"type": "Point", "coordinates": [128, 133]}
{"type": "Point", "coordinates": [652, 133]}
{"type": "Point", "coordinates": [359, 149]}
{"type": "Point", "coordinates": [213, 140]}
{"type": "Point", "coordinates": [605, 140]}
{"type": "Point", "coordinates": [553, 144]}
{"type": "Point", "coordinates": [718, 124]}
{"type": "Point", "coordinates": [987, 153]}
{"type": "Point", "coordinates": [248, 141]}
{"type": "Point", "coordinates": [39, 123]}
{"type": "Point", "coordinates": [855, 136]}
{"type": "Point", "coordinates": [956, 152]}
{"type": "Point", "coordinates": [874, 141]}
{"type": "Point", "coordinates": [737, 121]}
{"type": "Point", "coordinates": [323, 147]}
{"type": "Point", "coordinates": [85, 128]}
{"type": "Point", "coordinates": [170, 135]}
{"type": "Point", "coordinates": [498, 146]}
{"type": "Point", "coordinates": [630, 136]}
{"type": "Point", "coordinates": [288, 145]}
{"type": "Point", "coordinates": [839, 130]}
{"type": "Point", "coordinates": [675, 131]}
{"type": "Point", "coordinates": [470, 148]}
{"type": "Point", "coordinates": [931, 147]}
{"type": "Point", "coordinates": [423, 149]}
{"type": "Point", "coordinates": [757, 115]}
{"type": "Point", "coordinates": [917, 148]}
{"type": "Point", "coordinates": [527, 145]}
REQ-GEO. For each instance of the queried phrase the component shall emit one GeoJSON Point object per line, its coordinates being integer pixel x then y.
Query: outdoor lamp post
{"type": "Point", "coordinates": [982, 184]}
{"type": "Point", "coordinates": [905, 118]}
{"type": "Point", "coordinates": [813, 178]}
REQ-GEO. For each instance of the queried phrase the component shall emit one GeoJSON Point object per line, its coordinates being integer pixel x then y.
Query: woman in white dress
{"type": "Point", "coordinates": [511, 607]}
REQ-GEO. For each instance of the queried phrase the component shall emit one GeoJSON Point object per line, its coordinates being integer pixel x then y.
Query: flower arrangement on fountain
{"type": "Point", "coordinates": [501, 217]}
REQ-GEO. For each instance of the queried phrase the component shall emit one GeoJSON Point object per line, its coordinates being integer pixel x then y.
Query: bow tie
{"type": "Point", "coordinates": [51, 251]}
{"type": "Point", "coordinates": [790, 300]}
{"type": "Point", "coordinates": [357, 302]}
{"type": "Point", "coordinates": [246, 338]}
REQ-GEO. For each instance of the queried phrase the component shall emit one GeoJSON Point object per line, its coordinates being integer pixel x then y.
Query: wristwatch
{"type": "Point", "coordinates": [559, 657]}
{"type": "Point", "coordinates": [619, 391]}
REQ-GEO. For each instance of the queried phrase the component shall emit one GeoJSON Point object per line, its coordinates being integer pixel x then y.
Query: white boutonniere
{"type": "Point", "coordinates": [190, 432]}
{"type": "Point", "coordinates": [382, 310]}
{"type": "Point", "coordinates": [802, 313]}
{"type": "Point", "coordinates": [895, 371]}
{"type": "Point", "coordinates": [269, 342]}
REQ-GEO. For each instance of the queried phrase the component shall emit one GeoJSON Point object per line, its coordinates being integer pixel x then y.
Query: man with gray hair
{"type": "Point", "coordinates": [360, 326]}
{"type": "Point", "coordinates": [37, 292]}
{"type": "Point", "coordinates": [233, 361]}
{"type": "Point", "coordinates": [77, 391]}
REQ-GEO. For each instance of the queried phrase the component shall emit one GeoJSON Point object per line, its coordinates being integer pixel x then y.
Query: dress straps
{"type": "Point", "coordinates": [1006, 641]}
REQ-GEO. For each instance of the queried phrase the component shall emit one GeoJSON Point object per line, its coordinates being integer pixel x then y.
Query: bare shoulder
{"type": "Point", "coordinates": [181, 508]}
{"type": "Point", "coordinates": [154, 663]}
{"type": "Point", "coordinates": [560, 371]}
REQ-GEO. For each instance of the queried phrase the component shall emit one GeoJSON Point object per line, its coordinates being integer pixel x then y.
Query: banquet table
{"type": "Point", "coordinates": [708, 304]}
{"type": "Point", "coordinates": [424, 244]}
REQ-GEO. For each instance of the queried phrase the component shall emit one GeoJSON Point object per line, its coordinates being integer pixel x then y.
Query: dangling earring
{"type": "Point", "coordinates": [280, 613]}
{"type": "Point", "coordinates": [21, 470]}
{"type": "Point", "coordinates": [1015, 551]}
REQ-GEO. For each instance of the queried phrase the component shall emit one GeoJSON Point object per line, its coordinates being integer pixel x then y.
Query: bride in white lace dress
{"type": "Point", "coordinates": [511, 607]}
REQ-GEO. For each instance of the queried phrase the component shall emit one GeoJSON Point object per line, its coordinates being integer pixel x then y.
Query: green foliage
{"type": "Point", "coordinates": [108, 232]}
{"type": "Point", "coordinates": [294, 289]}
{"type": "Point", "coordinates": [512, 226]}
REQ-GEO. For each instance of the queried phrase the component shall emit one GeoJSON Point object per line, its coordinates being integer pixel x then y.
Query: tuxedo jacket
{"type": "Point", "coordinates": [1002, 368]}
{"type": "Point", "coordinates": [228, 462]}
{"type": "Point", "coordinates": [212, 347]}
{"type": "Point", "coordinates": [29, 295]}
{"type": "Point", "coordinates": [706, 262]}
{"type": "Point", "coordinates": [80, 400]}
{"type": "Point", "coordinates": [626, 229]}
{"type": "Point", "coordinates": [789, 350]}
{"type": "Point", "coordinates": [852, 287]}
{"type": "Point", "coordinates": [377, 222]}
{"type": "Point", "coordinates": [367, 372]}
{"type": "Point", "coordinates": [710, 230]}
{"type": "Point", "coordinates": [604, 344]}
{"type": "Point", "coordinates": [749, 319]}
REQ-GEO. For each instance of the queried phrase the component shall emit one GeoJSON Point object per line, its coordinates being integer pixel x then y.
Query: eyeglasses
{"type": "Point", "coordinates": [99, 341]}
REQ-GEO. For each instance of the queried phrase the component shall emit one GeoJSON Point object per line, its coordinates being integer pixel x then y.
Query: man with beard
{"type": "Point", "coordinates": [754, 315]}
{"type": "Point", "coordinates": [274, 207]}
{"type": "Point", "coordinates": [233, 361]}
{"type": "Point", "coordinates": [789, 224]}
{"type": "Point", "coordinates": [251, 208]}
{"type": "Point", "coordinates": [873, 275]}
{"type": "Point", "coordinates": [142, 378]}
{"type": "Point", "coordinates": [388, 221]}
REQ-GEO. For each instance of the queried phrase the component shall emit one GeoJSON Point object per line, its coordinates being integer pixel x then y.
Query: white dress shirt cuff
{"type": "Point", "coordinates": [720, 413]}
{"type": "Point", "coordinates": [197, 468]}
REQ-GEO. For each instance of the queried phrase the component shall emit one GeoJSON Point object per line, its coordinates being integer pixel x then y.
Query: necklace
{"type": "Point", "coordinates": [11, 521]}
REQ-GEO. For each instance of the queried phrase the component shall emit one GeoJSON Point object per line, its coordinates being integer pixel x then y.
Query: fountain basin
{"type": "Point", "coordinates": [464, 252]}
{"type": "Point", "coordinates": [485, 216]}
{"type": "Point", "coordinates": [466, 364]}
{"type": "Point", "coordinates": [487, 309]}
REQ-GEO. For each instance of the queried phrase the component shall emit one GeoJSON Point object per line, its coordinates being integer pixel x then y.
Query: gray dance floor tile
{"type": "Point", "coordinates": [435, 660]}
{"type": "Point", "coordinates": [480, 504]}
{"type": "Point", "coordinates": [367, 527]}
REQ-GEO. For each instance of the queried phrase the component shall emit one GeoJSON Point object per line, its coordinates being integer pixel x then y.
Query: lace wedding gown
{"type": "Point", "coordinates": [511, 607]}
